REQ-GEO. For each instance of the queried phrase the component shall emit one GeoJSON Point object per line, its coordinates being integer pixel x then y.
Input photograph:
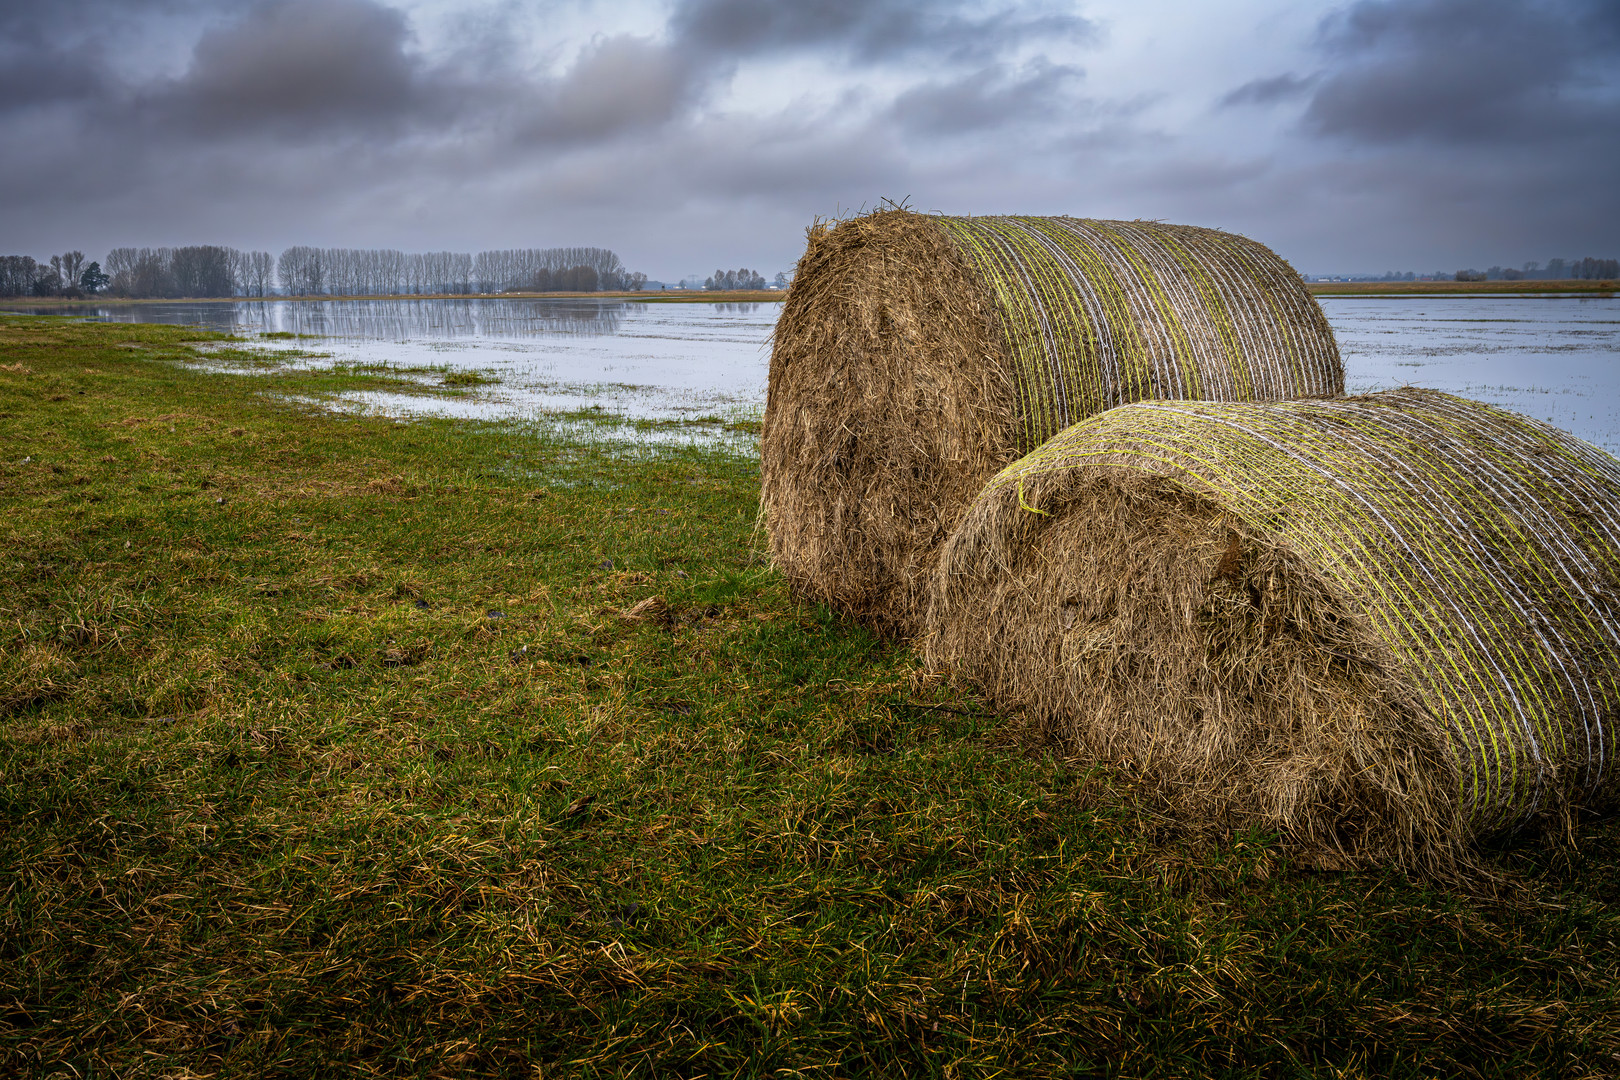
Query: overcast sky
{"type": "Point", "coordinates": [694, 134]}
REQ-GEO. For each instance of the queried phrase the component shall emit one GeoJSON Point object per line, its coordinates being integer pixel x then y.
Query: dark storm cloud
{"type": "Point", "coordinates": [864, 30]}
{"type": "Point", "coordinates": [312, 71]}
{"type": "Point", "coordinates": [618, 85]}
{"type": "Point", "coordinates": [297, 67]}
{"type": "Point", "coordinates": [992, 97]}
{"type": "Point", "coordinates": [48, 60]}
{"type": "Point", "coordinates": [1270, 91]}
{"type": "Point", "coordinates": [307, 71]}
{"type": "Point", "coordinates": [37, 71]}
{"type": "Point", "coordinates": [15, 13]}
{"type": "Point", "coordinates": [1471, 72]}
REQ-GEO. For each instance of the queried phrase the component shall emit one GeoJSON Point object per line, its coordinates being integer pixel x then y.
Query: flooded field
{"type": "Point", "coordinates": [642, 361]}
{"type": "Point", "coordinates": [1556, 358]}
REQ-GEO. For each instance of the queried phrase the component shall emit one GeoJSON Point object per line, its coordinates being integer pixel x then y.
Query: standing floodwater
{"type": "Point", "coordinates": [1554, 358]}
{"type": "Point", "coordinates": [638, 359]}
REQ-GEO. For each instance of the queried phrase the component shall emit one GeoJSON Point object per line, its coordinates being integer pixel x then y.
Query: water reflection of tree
{"type": "Point", "coordinates": [218, 317]}
{"type": "Point", "coordinates": [438, 318]}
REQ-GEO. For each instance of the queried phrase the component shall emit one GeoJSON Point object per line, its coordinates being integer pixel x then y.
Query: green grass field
{"type": "Point", "coordinates": [333, 745]}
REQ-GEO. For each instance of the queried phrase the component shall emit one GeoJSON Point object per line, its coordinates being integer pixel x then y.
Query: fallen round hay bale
{"type": "Point", "coordinates": [916, 355]}
{"type": "Point", "coordinates": [1384, 626]}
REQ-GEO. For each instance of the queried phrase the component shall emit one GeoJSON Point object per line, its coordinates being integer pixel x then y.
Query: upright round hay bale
{"type": "Point", "coordinates": [916, 355]}
{"type": "Point", "coordinates": [1382, 625]}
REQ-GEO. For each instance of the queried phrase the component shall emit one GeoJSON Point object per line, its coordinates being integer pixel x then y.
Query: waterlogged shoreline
{"type": "Point", "coordinates": [1548, 355]}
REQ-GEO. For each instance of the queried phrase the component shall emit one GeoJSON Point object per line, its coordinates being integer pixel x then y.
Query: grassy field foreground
{"type": "Point", "coordinates": [339, 746]}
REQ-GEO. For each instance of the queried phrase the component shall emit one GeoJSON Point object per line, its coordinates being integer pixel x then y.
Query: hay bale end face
{"type": "Point", "coordinates": [916, 355]}
{"type": "Point", "coordinates": [1384, 626]}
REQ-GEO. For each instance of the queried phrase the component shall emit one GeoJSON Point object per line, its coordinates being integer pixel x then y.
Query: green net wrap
{"type": "Point", "coordinates": [1096, 314]}
{"type": "Point", "coordinates": [1482, 547]}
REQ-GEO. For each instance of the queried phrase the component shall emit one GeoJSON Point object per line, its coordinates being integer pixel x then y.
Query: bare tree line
{"type": "Point", "coordinates": [562, 269]}
{"type": "Point", "coordinates": [729, 280]}
{"type": "Point", "coordinates": [215, 271]}
{"type": "Point", "coordinates": [309, 271]}
{"type": "Point", "coordinates": [62, 275]}
{"type": "Point", "coordinates": [205, 270]}
{"type": "Point", "coordinates": [1587, 269]}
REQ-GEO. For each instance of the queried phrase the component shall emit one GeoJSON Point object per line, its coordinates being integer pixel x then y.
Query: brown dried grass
{"type": "Point", "coordinates": [916, 355]}
{"type": "Point", "coordinates": [890, 403]}
{"type": "Point", "coordinates": [1144, 626]}
{"type": "Point", "coordinates": [1383, 627]}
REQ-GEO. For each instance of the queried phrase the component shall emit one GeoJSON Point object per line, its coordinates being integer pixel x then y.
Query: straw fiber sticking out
{"type": "Point", "coordinates": [916, 355]}
{"type": "Point", "coordinates": [1382, 625]}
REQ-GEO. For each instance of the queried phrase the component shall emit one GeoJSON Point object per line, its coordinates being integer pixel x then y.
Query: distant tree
{"type": "Point", "coordinates": [204, 271]}
{"type": "Point", "coordinates": [18, 273]}
{"type": "Point", "coordinates": [1590, 269]}
{"type": "Point", "coordinates": [729, 280]}
{"type": "Point", "coordinates": [143, 272]}
{"type": "Point", "coordinates": [121, 263]}
{"type": "Point", "coordinates": [253, 272]}
{"type": "Point", "coordinates": [301, 271]}
{"type": "Point", "coordinates": [579, 278]}
{"type": "Point", "coordinates": [72, 268]}
{"type": "Point", "coordinates": [48, 281]}
{"type": "Point", "coordinates": [261, 276]}
{"type": "Point", "coordinates": [92, 280]}
{"type": "Point", "coordinates": [1470, 275]}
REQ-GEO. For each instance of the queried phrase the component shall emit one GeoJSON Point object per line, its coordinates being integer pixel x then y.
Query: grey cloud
{"type": "Point", "coordinates": [1470, 71]}
{"type": "Point", "coordinates": [988, 98]}
{"type": "Point", "coordinates": [35, 71]}
{"type": "Point", "coordinates": [48, 60]}
{"type": "Point", "coordinates": [295, 67]}
{"type": "Point", "coordinates": [867, 30]}
{"type": "Point", "coordinates": [36, 13]}
{"type": "Point", "coordinates": [1270, 91]}
{"type": "Point", "coordinates": [306, 71]}
{"type": "Point", "coordinates": [618, 84]}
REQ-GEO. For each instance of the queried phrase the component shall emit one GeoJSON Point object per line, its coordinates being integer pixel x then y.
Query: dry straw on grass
{"type": "Point", "coordinates": [1384, 626]}
{"type": "Point", "coordinates": [916, 355]}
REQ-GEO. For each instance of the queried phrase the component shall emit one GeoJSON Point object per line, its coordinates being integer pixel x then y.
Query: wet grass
{"type": "Point", "coordinates": [298, 376]}
{"type": "Point", "coordinates": [332, 745]}
{"type": "Point", "coordinates": [464, 378]}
